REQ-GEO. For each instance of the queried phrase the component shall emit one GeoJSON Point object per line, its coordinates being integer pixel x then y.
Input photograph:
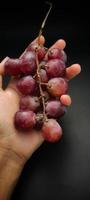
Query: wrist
{"type": "Point", "coordinates": [11, 166]}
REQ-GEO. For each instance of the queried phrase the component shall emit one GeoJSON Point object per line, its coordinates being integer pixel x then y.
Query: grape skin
{"type": "Point", "coordinates": [43, 76]}
{"type": "Point", "coordinates": [41, 53]}
{"type": "Point", "coordinates": [57, 86]}
{"type": "Point", "coordinates": [29, 103]}
{"type": "Point", "coordinates": [55, 109]}
{"type": "Point", "coordinates": [57, 53]}
{"type": "Point", "coordinates": [28, 67]}
{"type": "Point", "coordinates": [26, 85]}
{"type": "Point", "coordinates": [55, 68]}
{"type": "Point", "coordinates": [12, 67]}
{"type": "Point", "coordinates": [28, 55]}
{"type": "Point", "coordinates": [28, 63]}
{"type": "Point", "coordinates": [25, 119]}
{"type": "Point", "coordinates": [51, 130]}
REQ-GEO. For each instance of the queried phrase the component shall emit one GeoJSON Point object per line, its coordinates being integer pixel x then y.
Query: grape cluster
{"type": "Point", "coordinates": [41, 81]}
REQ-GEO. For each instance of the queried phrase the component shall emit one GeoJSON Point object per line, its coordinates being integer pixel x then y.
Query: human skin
{"type": "Point", "coordinates": [15, 147]}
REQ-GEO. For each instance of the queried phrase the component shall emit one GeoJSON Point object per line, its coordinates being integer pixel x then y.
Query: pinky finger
{"type": "Point", "coordinates": [73, 71]}
{"type": "Point", "coordinates": [66, 100]}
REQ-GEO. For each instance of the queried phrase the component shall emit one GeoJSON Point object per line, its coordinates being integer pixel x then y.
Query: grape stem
{"type": "Point", "coordinates": [40, 87]}
{"type": "Point", "coordinates": [44, 21]}
{"type": "Point", "coordinates": [38, 65]}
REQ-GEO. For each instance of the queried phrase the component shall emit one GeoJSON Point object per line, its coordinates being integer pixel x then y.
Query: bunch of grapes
{"type": "Point", "coordinates": [40, 74]}
{"type": "Point", "coordinates": [41, 81]}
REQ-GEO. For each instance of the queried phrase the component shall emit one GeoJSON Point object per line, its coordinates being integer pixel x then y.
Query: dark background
{"type": "Point", "coordinates": [60, 170]}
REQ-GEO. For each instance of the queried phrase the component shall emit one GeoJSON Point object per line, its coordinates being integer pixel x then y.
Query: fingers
{"type": "Point", "coordinates": [0, 82]}
{"type": "Point", "coordinates": [66, 100]}
{"type": "Point", "coordinates": [59, 44]}
{"type": "Point", "coordinates": [73, 71]}
{"type": "Point", "coordinates": [42, 40]}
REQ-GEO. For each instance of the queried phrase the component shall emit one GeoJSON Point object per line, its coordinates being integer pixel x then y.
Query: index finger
{"type": "Point", "coordinates": [59, 44]}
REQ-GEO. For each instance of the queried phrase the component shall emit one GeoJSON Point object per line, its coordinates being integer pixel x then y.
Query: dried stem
{"type": "Point", "coordinates": [44, 21]}
{"type": "Point", "coordinates": [37, 62]}
{"type": "Point", "coordinates": [40, 87]}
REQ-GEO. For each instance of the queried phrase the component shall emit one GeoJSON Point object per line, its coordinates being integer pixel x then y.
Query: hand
{"type": "Point", "coordinates": [23, 145]}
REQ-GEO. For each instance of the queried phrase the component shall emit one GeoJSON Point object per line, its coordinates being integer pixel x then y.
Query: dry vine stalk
{"type": "Point", "coordinates": [37, 62]}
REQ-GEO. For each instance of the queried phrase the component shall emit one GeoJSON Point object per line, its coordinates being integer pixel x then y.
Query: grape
{"type": "Point", "coordinates": [26, 85]}
{"type": "Point", "coordinates": [12, 67]}
{"type": "Point", "coordinates": [28, 63]}
{"type": "Point", "coordinates": [28, 67]}
{"type": "Point", "coordinates": [29, 103]}
{"type": "Point", "coordinates": [51, 130]}
{"type": "Point", "coordinates": [41, 53]}
{"type": "Point", "coordinates": [25, 119]}
{"type": "Point", "coordinates": [41, 50]}
{"type": "Point", "coordinates": [57, 86]}
{"type": "Point", "coordinates": [57, 53]}
{"type": "Point", "coordinates": [55, 68]}
{"type": "Point", "coordinates": [43, 76]}
{"type": "Point", "coordinates": [55, 109]}
{"type": "Point", "coordinates": [54, 53]}
{"type": "Point", "coordinates": [28, 55]}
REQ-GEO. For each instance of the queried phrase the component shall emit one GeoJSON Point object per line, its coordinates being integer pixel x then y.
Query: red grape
{"type": "Point", "coordinates": [26, 85]}
{"type": "Point", "coordinates": [57, 53]}
{"type": "Point", "coordinates": [41, 50]}
{"type": "Point", "coordinates": [28, 55]}
{"type": "Point", "coordinates": [29, 103]}
{"type": "Point", "coordinates": [25, 119]}
{"type": "Point", "coordinates": [28, 67]}
{"type": "Point", "coordinates": [55, 68]}
{"type": "Point", "coordinates": [51, 130]}
{"type": "Point", "coordinates": [28, 63]}
{"type": "Point", "coordinates": [41, 53]}
{"type": "Point", "coordinates": [43, 76]}
{"type": "Point", "coordinates": [55, 109]}
{"type": "Point", "coordinates": [57, 86]}
{"type": "Point", "coordinates": [12, 67]}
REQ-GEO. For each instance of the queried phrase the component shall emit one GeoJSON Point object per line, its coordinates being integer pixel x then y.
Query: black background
{"type": "Point", "coordinates": [61, 170]}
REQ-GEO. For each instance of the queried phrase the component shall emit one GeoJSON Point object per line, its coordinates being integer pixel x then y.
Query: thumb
{"type": "Point", "coordinates": [2, 66]}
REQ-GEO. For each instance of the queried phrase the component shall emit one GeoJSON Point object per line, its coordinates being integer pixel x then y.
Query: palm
{"type": "Point", "coordinates": [23, 144]}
